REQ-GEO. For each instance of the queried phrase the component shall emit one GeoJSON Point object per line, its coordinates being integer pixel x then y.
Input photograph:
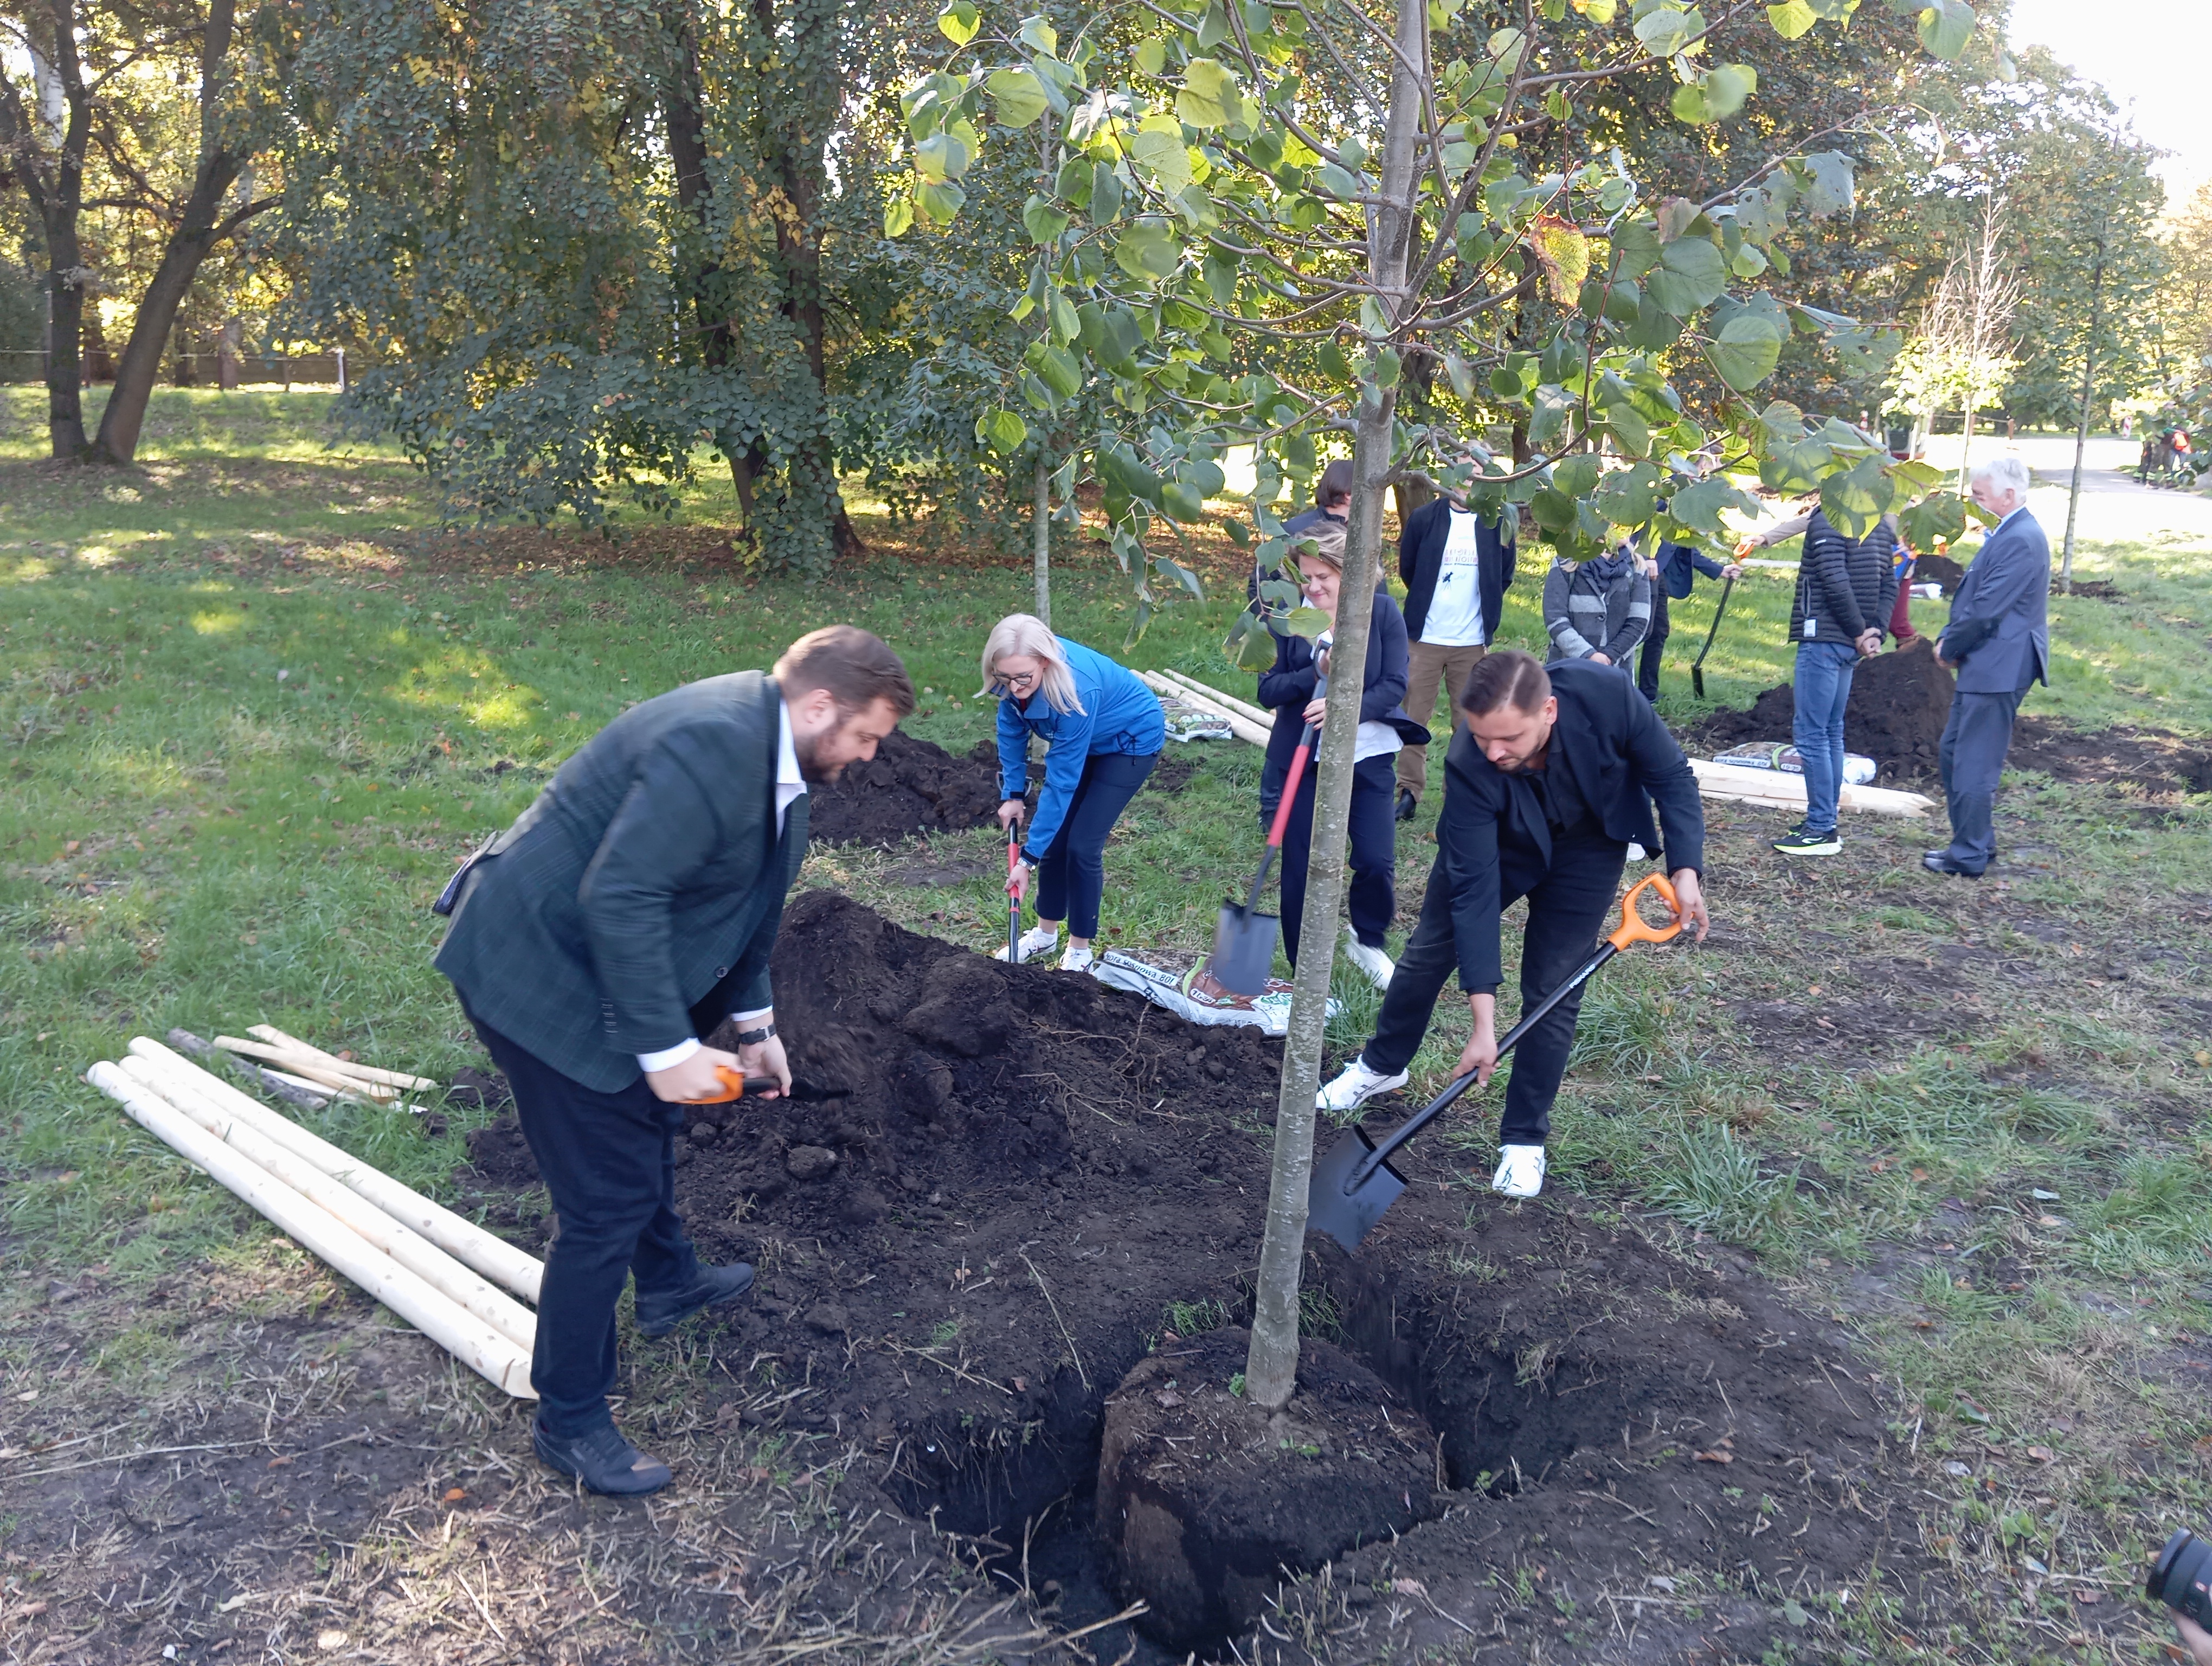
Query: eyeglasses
{"type": "Point", "coordinates": [1017, 681]}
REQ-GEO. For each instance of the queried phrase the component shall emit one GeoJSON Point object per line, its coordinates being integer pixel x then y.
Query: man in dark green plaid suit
{"type": "Point", "coordinates": [626, 914]}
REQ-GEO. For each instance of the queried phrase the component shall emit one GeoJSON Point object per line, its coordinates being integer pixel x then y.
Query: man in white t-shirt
{"type": "Point", "coordinates": [1455, 567]}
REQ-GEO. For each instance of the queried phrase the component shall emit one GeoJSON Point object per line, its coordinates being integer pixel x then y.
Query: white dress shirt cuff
{"type": "Point", "coordinates": [669, 1058]}
{"type": "Point", "coordinates": [741, 1019]}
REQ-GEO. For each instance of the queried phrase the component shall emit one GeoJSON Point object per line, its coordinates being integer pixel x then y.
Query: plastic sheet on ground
{"type": "Point", "coordinates": [1268, 1012]}
{"type": "Point", "coordinates": [1765, 754]}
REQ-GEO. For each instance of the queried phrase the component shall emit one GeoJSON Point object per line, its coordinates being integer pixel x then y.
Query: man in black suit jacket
{"type": "Point", "coordinates": [626, 915]}
{"type": "Point", "coordinates": [1553, 778]}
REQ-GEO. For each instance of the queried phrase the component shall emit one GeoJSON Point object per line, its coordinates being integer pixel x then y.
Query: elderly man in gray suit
{"type": "Point", "coordinates": [1999, 642]}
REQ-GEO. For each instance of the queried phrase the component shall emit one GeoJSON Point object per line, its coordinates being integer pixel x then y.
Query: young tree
{"type": "Point", "coordinates": [1961, 355]}
{"type": "Point", "coordinates": [1276, 223]}
{"type": "Point", "coordinates": [76, 143]}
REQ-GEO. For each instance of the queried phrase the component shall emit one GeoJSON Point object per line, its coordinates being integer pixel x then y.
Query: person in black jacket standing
{"type": "Point", "coordinates": [1295, 689]}
{"type": "Point", "coordinates": [1845, 587]}
{"type": "Point", "coordinates": [1455, 567]}
{"type": "Point", "coordinates": [627, 914]}
{"type": "Point", "coordinates": [1553, 777]}
{"type": "Point", "coordinates": [1673, 573]}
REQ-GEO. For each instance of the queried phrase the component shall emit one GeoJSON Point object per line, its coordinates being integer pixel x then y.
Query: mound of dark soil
{"type": "Point", "coordinates": [2097, 590]}
{"type": "Point", "coordinates": [1205, 1499]}
{"type": "Point", "coordinates": [2160, 762]}
{"type": "Point", "coordinates": [911, 785]}
{"type": "Point", "coordinates": [1898, 705]}
{"type": "Point", "coordinates": [1035, 1180]}
{"type": "Point", "coordinates": [1938, 570]}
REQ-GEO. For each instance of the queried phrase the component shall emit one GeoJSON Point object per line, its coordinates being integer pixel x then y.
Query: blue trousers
{"type": "Point", "coordinates": [1072, 874]}
{"type": "Point", "coordinates": [1823, 689]}
{"type": "Point", "coordinates": [1373, 836]}
{"type": "Point", "coordinates": [1972, 754]}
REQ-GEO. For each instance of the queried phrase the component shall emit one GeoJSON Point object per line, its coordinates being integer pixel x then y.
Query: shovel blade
{"type": "Point", "coordinates": [1697, 680]}
{"type": "Point", "coordinates": [1349, 1216]}
{"type": "Point", "coordinates": [1244, 949]}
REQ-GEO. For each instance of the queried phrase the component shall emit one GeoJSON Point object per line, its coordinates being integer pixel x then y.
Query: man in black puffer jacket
{"type": "Point", "coordinates": [1844, 589]}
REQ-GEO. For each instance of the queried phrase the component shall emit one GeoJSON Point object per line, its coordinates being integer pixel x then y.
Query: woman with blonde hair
{"type": "Point", "coordinates": [1105, 732]}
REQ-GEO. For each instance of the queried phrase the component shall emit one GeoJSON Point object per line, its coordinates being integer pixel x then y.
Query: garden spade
{"type": "Point", "coordinates": [735, 1086]}
{"type": "Point", "coordinates": [1243, 938]}
{"type": "Point", "coordinates": [1013, 901]}
{"type": "Point", "coordinates": [1698, 666]}
{"type": "Point", "coordinates": [1354, 1183]}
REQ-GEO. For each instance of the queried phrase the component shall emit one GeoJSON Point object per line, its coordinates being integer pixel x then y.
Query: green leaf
{"type": "Point", "coordinates": [1600, 12]}
{"type": "Point", "coordinates": [1654, 330]}
{"type": "Point", "coordinates": [1748, 349]}
{"type": "Point", "coordinates": [1207, 478]}
{"type": "Point", "coordinates": [1001, 430]}
{"type": "Point", "coordinates": [1577, 477]}
{"type": "Point", "coordinates": [1665, 30]}
{"type": "Point", "coordinates": [1461, 375]}
{"type": "Point", "coordinates": [1831, 188]}
{"type": "Point", "coordinates": [1334, 363]}
{"type": "Point", "coordinates": [1209, 96]}
{"type": "Point", "coordinates": [1726, 89]}
{"type": "Point", "coordinates": [1855, 499]}
{"type": "Point", "coordinates": [1945, 28]}
{"type": "Point", "coordinates": [1556, 106]}
{"type": "Point", "coordinates": [1700, 506]}
{"type": "Point", "coordinates": [1309, 622]}
{"type": "Point", "coordinates": [1039, 36]}
{"type": "Point", "coordinates": [1688, 104]}
{"type": "Point", "coordinates": [1061, 372]}
{"type": "Point", "coordinates": [1548, 415]}
{"type": "Point", "coordinates": [1336, 182]}
{"type": "Point", "coordinates": [940, 157]}
{"type": "Point", "coordinates": [1160, 156]}
{"type": "Point", "coordinates": [1791, 18]}
{"type": "Point", "coordinates": [1105, 194]}
{"type": "Point", "coordinates": [1150, 56]}
{"type": "Point", "coordinates": [1691, 276]}
{"type": "Point", "coordinates": [1148, 251]}
{"type": "Point", "coordinates": [1250, 645]}
{"type": "Point", "coordinates": [1020, 96]}
{"type": "Point", "coordinates": [898, 214]}
{"type": "Point", "coordinates": [1043, 223]}
{"type": "Point", "coordinates": [1181, 501]}
{"type": "Point", "coordinates": [1066, 325]}
{"type": "Point", "coordinates": [1635, 246]}
{"type": "Point", "coordinates": [1942, 515]}
{"type": "Point", "coordinates": [1630, 496]}
{"type": "Point", "coordinates": [938, 202]}
{"type": "Point", "coordinates": [959, 21]}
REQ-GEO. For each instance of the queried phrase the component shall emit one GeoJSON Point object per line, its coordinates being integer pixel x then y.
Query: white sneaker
{"type": "Point", "coordinates": [1036, 940]}
{"type": "Point", "coordinates": [1376, 965]}
{"type": "Point", "coordinates": [1520, 1172]}
{"type": "Point", "coordinates": [1355, 1087]}
{"type": "Point", "coordinates": [1636, 852]}
{"type": "Point", "coordinates": [1076, 960]}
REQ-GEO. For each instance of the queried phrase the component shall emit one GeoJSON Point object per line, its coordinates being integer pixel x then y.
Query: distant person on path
{"type": "Point", "coordinates": [628, 912]}
{"type": "Point", "coordinates": [1999, 639]}
{"type": "Point", "coordinates": [1106, 731]}
{"type": "Point", "coordinates": [1844, 589]}
{"type": "Point", "coordinates": [1598, 609]}
{"type": "Point", "coordinates": [1673, 573]}
{"type": "Point", "coordinates": [1293, 689]}
{"type": "Point", "coordinates": [1555, 774]}
{"type": "Point", "coordinates": [1455, 567]}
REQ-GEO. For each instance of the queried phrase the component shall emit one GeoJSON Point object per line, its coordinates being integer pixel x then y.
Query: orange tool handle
{"type": "Point", "coordinates": [734, 1087]}
{"type": "Point", "coordinates": [1633, 927]}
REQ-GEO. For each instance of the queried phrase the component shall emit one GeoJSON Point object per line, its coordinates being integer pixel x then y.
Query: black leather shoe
{"type": "Point", "coordinates": [602, 1461]}
{"type": "Point", "coordinates": [1937, 861]}
{"type": "Point", "coordinates": [1407, 804]}
{"type": "Point", "coordinates": [657, 1315]}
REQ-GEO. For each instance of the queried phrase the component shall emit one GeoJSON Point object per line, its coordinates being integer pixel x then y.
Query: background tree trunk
{"type": "Point", "coordinates": [1041, 537]}
{"type": "Point", "coordinates": [46, 149]}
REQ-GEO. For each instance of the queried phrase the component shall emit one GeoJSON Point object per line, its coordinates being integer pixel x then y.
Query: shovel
{"type": "Point", "coordinates": [1355, 1184]}
{"type": "Point", "coordinates": [1013, 903]}
{"type": "Point", "coordinates": [1698, 666]}
{"type": "Point", "coordinates": [735, 1086]}
{"type": "Point", "coordinates": [1243, 941]}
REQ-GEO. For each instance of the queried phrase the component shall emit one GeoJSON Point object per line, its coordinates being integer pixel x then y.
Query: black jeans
{"type": "Point", "coordinates": [1372, 898]}
{"type": "Point", "coordinates": [1655, 645]}
{"type": "Point", "coordinates": [1071, 877]}
{"type": "Point", "coordinates": [609, 1159]}
{"type": "Point", "coordinates": [1568, 903]}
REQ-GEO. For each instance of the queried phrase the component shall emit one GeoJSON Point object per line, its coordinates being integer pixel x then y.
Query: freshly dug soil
{"type": "Point", "coordinates": [1205, 1501]}
{"type": "Point", "coordinates": [2098, 590]}
{"type": "Point", "coordinates": [911, 785]}
{"type": "Point", "coordinates": [1035, 1180]}
{"type": "Point", "coordinates": [1899, 704]}
{"type": "Point", "coordinates": [2160, 762]}
{"type": "Point", "coordinates": [1939, 569]}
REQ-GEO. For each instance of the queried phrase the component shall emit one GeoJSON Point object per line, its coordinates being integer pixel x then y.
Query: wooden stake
{"type": "Point", "coordinates": [467, 1338]}
{"type": "Point", "coordinates": [312, 1068]}
{"type": "Point", "coordinates": [1239, 725]}
{"type": "Point", "coordinates": [468, 1243]}
{"type": "Point", "coordinates": [1259, 714]}
{"type": "Point", "coordinates": [379, 1231]}
{"type": "Point", "coordinates": [276, 1037]}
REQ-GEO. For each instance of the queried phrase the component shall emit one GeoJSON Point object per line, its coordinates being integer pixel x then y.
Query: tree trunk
{"type": "Point", "coordinates": [1041, 538]}
{"type": "Point", "coordinates": [2082, 432]}
{"type": "Point", "coordinates": [46, 149]}
{"type": "Point", "coordinates": [1272, 1363]}
{"type": "Point", "coordinates": [65, 333]}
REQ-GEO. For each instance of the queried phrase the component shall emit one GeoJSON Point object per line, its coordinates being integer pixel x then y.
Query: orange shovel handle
{"type": "Point", "coordinates": [1633, 927]}
{"type": "Point", "coordinates": [734, 1087]}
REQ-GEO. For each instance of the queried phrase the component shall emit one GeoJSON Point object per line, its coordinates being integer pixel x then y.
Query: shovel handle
{"type": "Point", "coordinates": [1727, 585]}
{"type": "Point", "coordinates": [1282, 816]}
{"type": "Point", "coordinates": [1634, 929]}
{"type": "Point", "coordinates": [735, 1086]}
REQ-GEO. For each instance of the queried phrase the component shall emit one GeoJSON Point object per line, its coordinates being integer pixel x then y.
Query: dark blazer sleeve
{"type": "Point", "coordinates": [1467, 831]}
{"type": "Point", "coordinates": [666, 831]}
{"type": "Point", "coordinates": [2000, 590]}
{"type": "Point", "coordinates": [1710, 566]}
{"type": "Point", "coordinates": [1673, 785]}
{"type": "Point", "coordinates": [1389, 670]}
{"type": "Point", "coordinates": [1291, 681]}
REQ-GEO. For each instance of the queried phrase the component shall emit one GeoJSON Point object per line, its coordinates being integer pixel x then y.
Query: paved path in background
{"type": "Point", "coordinates": [2114, 504]}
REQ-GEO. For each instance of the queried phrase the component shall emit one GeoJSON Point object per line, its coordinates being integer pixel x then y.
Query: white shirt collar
{"type": "Point", "coordinates": [789, 783]}
{"type": "Point", "coordinates": [2007, 521]}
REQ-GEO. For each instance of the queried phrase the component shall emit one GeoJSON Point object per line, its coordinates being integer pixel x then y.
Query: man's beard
{"type": "Point", "coordinates": [810, 770]}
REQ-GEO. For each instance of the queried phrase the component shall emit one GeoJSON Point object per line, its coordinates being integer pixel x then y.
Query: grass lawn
{"type": "Point", "coordinates": [256, 708]}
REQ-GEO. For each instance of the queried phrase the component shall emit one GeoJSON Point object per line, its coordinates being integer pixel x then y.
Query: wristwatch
{"type": "Point", "coordinates": [755, 1038]}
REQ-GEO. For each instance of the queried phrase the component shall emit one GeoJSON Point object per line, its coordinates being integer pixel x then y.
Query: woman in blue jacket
{"type": "Point", "coordinates": [1105, 730]}
{"type": "Point", "coordinates": [1296, 689]}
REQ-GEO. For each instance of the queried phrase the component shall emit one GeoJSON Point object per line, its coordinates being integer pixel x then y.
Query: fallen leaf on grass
{"type": "Point", "coordinates": [230, 1603]}
{"type": "Point", "coordinates": [455, 1494]}
{"type": "Point", "coordinates": [331, 1641]}
{"type": "Point", "coordinates": [1410, 1588]}
{"type": "Point", "coordinates": [2040, 1454]}
{"type": "Point", "coordinates": [279, 1463]}
{"type": "Point", "coordinates": [1717, 1456]}
{"type": "Point", "coordinates": [32, 1612]}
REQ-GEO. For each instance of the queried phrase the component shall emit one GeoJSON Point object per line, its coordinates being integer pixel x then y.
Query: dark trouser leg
{"type": "Point", "coordinates": [1567, 909]}
{"type": "Point", "coordinates": [1072, 875]}
{"type": "Point", "coordinates": [1975, 741]}
{"type": "Point", "coordinates": [1655, 645]}
{"type": "Point", "coordinates": [608, 1161]}
{"type": "Point", "coordinates": [1373, 900]}
{"type": "Point", "coordinates": [1423, 965]}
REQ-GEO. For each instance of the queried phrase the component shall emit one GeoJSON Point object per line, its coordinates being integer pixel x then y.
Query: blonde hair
{"type": "Point", "coordinates": [1327, 543]}
{"type": "Point", "coordinates": [1030, 637]}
